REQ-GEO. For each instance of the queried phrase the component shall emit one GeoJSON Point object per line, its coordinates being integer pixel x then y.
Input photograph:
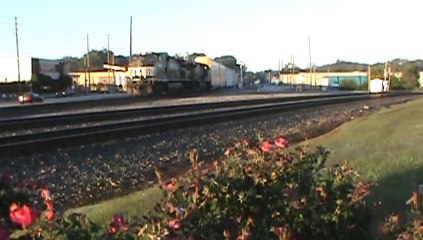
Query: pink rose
{"type": "Point", "coordinates": [117, 223]}
{"type": "Point", "coordinates": [281, 142]}
{"type": "Point", "coordinates": [174, 224]}
{"type": "Point", "coordinates": [45, 194]}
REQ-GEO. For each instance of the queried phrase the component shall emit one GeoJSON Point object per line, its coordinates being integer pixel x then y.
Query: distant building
{"type": "Point", "coordinates": [220, 75]}
{"type": "Point", "coordinates": [101, 80]}
{"type": "Point", "coordinates": [29, 66]}
{"type": "Point", "coordinates": [324, 79]}
{"type": "Point", "coordinates": [52, 68]}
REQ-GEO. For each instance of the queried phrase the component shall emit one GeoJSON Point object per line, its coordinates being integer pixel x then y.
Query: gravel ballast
{"type": "Point", "coordinates": [87, 174]}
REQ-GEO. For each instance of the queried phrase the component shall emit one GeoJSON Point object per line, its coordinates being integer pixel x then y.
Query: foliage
{"type": "Point", "coordinates": [265, 193]}
{"type": "Point", "coordinates": [228, 61]}
{"type": "Point", "coordinates": [97, 59]}
{"type": "Point", "coordinates": [407, 226]}
{"type": "Point", "coordinates": [341, 65]}
{"type": "Point", "coordinates": [377, 72]}
{"type": "Point", "coordinates": [396, 84]}
{"type": "Point", "coordinates": [75, 64]}
{"type": "Point", "coordinates": [348, 84]}
{"type": "Point", "coordinates": [363, 86]}
{"type": "Point", "coordinates": [410, 76]}
{"type": "Point", "coordinates": [258, 192]}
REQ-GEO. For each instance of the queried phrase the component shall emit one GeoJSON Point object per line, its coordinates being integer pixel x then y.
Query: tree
{"type": "Point", "coordinates": [396, 83]}
{"type": "Point", "coordinates": [121, 60]}
{"type": "Point", "coordinates": [228, 61]}
{"type": "Point", "coordinates": [377, 72]}
{"type": "Point", "coordinates": [348, 84]}
{"type": "Point", "coordinates": [410, 76]}
{"type": "Point", "coordinates": [75, 64]}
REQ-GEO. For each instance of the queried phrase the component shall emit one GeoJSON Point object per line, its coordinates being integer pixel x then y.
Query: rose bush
{"type": "Point", "coordinates": [408, 225]}
{"type": "Point", "coordinates": [260, 191]}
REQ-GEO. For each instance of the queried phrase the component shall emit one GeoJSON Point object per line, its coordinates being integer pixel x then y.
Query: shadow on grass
{"type": "Point", "coordinates": [393, 192]}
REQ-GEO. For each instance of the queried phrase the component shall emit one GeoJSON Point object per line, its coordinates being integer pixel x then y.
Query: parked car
{"type": "Point", "coordinates": [65, 93]}
{"type": "Point", "coordinates": [29, 97]}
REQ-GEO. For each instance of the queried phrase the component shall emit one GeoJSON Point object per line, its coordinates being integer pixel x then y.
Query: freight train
{"type": "Point", "coordinates": [154, 73]}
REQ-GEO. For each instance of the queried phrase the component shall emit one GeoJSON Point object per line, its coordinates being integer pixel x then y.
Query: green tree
{"type": "Point", "coordinates": [75, 64]}
{"type": "Point", "coordinates": [228, 61]}
{"type": "Point", "coordinates": [377, 72]}
{"type": "Point", "coordinates": [396, 83]}
{"type": "Point", "coordinates": [410, 76]}
{"type": "Point", "coordinates": [348, 84]}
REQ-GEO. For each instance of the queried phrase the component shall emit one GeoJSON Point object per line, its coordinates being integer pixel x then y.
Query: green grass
{"type": "Point", "coordinates": [385, 147]}
{"type": "Point", "coordinates": [130, 206]}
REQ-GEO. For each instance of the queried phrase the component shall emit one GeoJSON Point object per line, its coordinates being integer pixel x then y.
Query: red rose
{"type": "Point", "coordinates": [266, 146]}
{"type": "Point", "coordinates": [24, 216]}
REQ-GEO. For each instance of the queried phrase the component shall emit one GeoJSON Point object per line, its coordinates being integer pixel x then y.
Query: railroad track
{"type": "Point", "coordinates": [24, 123]}
{"type": "Point", "coordinates": [30, 143]}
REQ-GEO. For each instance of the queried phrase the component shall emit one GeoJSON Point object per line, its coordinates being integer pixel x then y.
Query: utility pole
{"type": "Point", "coordinates": [130, 42]}
{"type": "Point", "coordinates": [108, 56]}
{"type": "Point", "coordinates": [369, 72]}
{"type": "Point", "coordinates": [309, 56]}
{"type": "Point", "coordinates": [17, 54]}
{"type": "Point", "coordinates": [85, 84]}
{"type": "Point", "coordinates": [88, 62]}
{"type": "Point", "coordinates": [279, 70]}
{"type": "Point", "coordinates": [242, 80]}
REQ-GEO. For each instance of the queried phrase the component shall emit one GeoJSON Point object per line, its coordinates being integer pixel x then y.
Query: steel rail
{"type": "Point", "coordinates": [25, 123]}
{"type": "Point", "coordinates": [25, 144]}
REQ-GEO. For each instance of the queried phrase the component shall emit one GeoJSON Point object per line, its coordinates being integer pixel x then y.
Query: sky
{"type": "Point", "coordinates": [259, 33]}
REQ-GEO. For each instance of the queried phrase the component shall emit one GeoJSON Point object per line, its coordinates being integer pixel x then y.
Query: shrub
{"type": "Point", "coordinates": [264, 193]}
{"type": "Point", "coordinates": [348, 84]}
{"type": "Point", "coordinates": [396, 84]}
{"type": "Point", "coordinates": [406, 226]}
{"type": "Point", "coordinates": [259, 191]}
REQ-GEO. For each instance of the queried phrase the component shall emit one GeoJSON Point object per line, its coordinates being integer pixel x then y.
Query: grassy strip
{"type": "Point", "coordinates": [132, 205]}
{"type": "Point", "coordinates": [385, 147]}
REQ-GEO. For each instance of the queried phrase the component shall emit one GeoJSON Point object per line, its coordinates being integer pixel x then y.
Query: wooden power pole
{"type": "Point", "coordinates": [309, 56]}
{"type": "Point", "coordinates": [130, 41]}
{"type": "Point", "coordinates": [108, 57]}
{"type": "Point", "coordinates": [17, 53]}
{"type": "Point", "coordinates": [88, 63]}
